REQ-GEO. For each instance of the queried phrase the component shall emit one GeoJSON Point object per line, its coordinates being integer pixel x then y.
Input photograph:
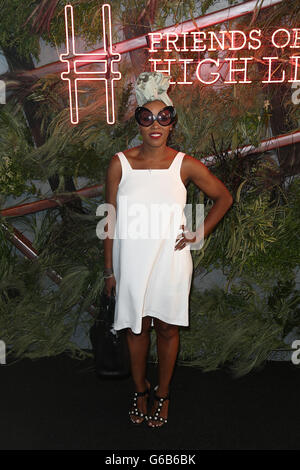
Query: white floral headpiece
{"type": "Point", "coordinates": [152, 86]}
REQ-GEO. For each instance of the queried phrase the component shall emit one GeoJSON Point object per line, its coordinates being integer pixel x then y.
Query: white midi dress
{"type": "Point", "coordinates": [151, 277]}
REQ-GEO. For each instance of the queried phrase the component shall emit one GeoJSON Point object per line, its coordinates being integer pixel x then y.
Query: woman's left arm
{"type": "Point", "coordinates": [199, 174]}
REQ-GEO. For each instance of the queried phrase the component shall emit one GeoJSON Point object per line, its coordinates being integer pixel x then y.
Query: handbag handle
{"type": "Point", "coordinates": [112, 295]}
{"type": "Point", "coordinates": [107, 305]}
{"type": "Point", "coordinates": [113, 292]}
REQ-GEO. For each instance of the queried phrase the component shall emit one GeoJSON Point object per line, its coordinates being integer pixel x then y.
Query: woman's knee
{"type": "Point", "coordinates": [164, 329]}
{"type": "Point", "coordinates": [146, 325]}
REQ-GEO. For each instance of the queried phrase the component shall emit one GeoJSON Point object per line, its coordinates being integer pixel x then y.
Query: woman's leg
{"type": "Point", "coordinates": [138, 345]}
{"type": "Point", "coordinates": [167, 350]}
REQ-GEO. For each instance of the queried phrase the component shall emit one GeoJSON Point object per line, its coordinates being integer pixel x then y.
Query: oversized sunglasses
{"type": "Point", "coordinates": [145, 117]}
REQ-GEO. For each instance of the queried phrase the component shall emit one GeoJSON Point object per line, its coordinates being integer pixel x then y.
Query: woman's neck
{"type": "Point", "coordinates": [147, 152]}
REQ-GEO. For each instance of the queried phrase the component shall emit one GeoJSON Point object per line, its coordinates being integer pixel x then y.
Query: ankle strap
{"type": "Point", "coordinates": [162, 398]}
{"type": "Point", "coordinates": [141, 394]}
{"type": "Point", "coordinates": [159, 398]}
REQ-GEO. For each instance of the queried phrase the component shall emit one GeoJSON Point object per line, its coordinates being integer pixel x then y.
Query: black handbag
{"type": "Point", "coordinates": [110, 347]}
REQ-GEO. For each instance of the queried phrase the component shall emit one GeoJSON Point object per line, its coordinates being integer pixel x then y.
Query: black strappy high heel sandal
{"type": "Point", "coordinates": [135, 411]}
{"type": "Point", "coordinates": [157, 416]}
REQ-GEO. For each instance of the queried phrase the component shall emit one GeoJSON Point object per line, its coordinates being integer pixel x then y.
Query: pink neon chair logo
{"type": "Point", "coordinates": [108, 58]}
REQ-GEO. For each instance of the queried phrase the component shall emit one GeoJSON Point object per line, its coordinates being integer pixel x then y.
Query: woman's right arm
{"type": "Point", "coordinates": [113, 178]}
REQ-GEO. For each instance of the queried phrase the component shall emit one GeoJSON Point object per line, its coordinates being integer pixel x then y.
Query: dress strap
{"type": "Point", "coordinates": [124, 164]}
{"type": "Point", "coordinates": [124, 161]}
{"type": "Point", "coordinates": [176, 164]}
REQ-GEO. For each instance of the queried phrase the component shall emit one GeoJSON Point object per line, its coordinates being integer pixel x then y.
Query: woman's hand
{"type": "Point", "coordinates": [110, 284]}
{"type": "Point", "coordinates": [184, 238]}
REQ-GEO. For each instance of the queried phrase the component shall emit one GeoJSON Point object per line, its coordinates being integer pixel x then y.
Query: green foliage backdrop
{"type": "Point", "coordinates": [256, 245]}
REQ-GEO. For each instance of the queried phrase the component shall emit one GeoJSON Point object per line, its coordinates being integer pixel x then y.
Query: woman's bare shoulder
{"type": "Point", "coordinates": [133, 152]}
{"type": "Point", "coordinates": [192, 166]}
{"type": "Point", "coordinates": [114, 168]}
{"type": "Point", "coordinates": [115, 163]}
{"type": "Point", "coordinates": [191, 162]}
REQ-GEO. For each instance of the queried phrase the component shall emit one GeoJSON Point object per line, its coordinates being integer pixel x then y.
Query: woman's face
{"type": "Point", "coordinates": [155, 128]}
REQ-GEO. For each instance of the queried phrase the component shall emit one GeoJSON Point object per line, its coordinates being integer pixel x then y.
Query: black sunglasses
{"type": "Point", "coordinates": [145, 117]}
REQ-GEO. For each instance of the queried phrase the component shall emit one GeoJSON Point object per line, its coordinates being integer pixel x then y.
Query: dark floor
{"type": "Point", "coordinates": [59, 403]}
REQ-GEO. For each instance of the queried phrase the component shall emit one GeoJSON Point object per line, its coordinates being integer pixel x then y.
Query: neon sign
{"type": "Point", "coordinates": [108, 58]}
{"type": "Point", "coordinates": [198, 45]}
{"type": "Point", "coordinates": [203, 42]}
{"type": "Point", "coordinates": [198, 39]}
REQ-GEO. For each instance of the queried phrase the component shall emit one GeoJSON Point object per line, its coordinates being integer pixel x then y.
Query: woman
{"type": "Point", "coordinates": [152, 276]}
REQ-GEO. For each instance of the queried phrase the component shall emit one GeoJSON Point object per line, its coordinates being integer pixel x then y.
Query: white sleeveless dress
{"type": "Point", "coordinates": [151, 277]}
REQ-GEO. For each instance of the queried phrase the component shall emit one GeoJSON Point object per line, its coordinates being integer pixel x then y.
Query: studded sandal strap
{"type": "Point", "coordinates": [135, 411]}
{"type": "Point", "coordinates": [162, 399]}
{"type": "Point", "coordinates": [159, 407]}
{"type": "Point", "coordinates": [141, 394]}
